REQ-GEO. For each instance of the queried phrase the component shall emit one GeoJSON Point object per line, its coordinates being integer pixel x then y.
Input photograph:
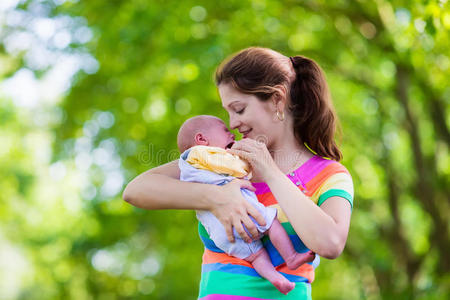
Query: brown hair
{"type": "Point", "coordinates": [258, 70]}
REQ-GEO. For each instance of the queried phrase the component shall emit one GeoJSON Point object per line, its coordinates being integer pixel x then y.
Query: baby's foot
{"type": "Point", "coordinates": [284, 286]}
{"type": "Point", "coordinates": [299, 259]}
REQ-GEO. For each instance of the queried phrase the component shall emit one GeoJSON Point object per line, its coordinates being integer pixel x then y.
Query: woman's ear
{"type": "Point", "coordinates": [200, 139]}
{"type": "Point", "coordinates": [279, 97]}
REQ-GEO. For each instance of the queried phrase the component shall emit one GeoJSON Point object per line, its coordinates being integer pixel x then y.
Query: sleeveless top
{"type": "Point", "coordinates": [226, 277]}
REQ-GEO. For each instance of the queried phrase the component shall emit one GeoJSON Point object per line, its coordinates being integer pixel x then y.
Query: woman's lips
{"type": "Point", "coordinates": [245, 133]}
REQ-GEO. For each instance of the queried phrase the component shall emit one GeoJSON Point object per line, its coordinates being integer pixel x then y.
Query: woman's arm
{"type": "Point", "coordinates": [323, 229]}
{"type": "Point", "coordinates": [160, 188]}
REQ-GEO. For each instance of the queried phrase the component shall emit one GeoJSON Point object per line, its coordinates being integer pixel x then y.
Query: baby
{"type": "Point", "coordinates": [202, 140]}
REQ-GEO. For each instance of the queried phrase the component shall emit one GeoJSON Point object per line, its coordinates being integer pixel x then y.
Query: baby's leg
{"type": "Point", "coordinates": [282, 243]}
{"type": "Point", "coordinates": [262, 264]}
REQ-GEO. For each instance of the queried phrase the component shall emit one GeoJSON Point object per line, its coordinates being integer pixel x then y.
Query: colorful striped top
{"type": "Point", "coordinates": [226, 277]}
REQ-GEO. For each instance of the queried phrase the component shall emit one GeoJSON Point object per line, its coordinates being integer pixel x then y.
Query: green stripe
{"type": "Point", "coordinates": [216, 282]}
{"type": "Point", "coordinates": [335, 192]}
{"type": "Point", "coordinates": [202, 231]}
{"type": "Point", "coordinates": [288, 227]}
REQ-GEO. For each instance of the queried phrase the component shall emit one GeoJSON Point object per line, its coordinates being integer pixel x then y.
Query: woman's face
{"type": "Point", "coordinates": [252, 117]}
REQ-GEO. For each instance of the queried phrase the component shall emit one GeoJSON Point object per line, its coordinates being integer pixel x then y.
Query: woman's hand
{"type": "Point", "coordinates": [233, 210]}
{"type": "Point", "coordinates": [257, 155]}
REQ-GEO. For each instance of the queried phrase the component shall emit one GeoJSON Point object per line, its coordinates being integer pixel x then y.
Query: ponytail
{"type": "Point", "coordinates": [314, 116]}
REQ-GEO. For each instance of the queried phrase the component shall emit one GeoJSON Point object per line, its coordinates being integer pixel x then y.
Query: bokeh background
{"type": "Point", "coordinates": [92, 93]}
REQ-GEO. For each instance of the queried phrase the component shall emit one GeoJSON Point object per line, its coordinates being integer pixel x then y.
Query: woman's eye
{"type": "Point", "coordinates": [240, 111]}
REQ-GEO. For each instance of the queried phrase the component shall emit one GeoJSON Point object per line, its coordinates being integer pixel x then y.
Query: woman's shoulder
{"type": "Point", "coordinates": [324, 178]}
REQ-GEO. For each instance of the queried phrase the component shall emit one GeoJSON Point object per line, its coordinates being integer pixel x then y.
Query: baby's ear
{"type": "Point", "coordinates": [200, 139]}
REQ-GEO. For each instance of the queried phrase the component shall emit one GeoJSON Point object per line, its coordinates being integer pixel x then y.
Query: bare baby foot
{"type": "Point", "coordinates": [299, 259]}
{"type": "Point", "coordinates": [284, 286]}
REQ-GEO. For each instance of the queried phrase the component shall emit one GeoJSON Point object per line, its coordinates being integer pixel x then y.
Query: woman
{"type": "Point", "coordinates": [282, 107]}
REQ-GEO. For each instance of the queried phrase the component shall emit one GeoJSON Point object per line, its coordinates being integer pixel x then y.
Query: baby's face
{"type": "Point", "coordinates": [218, 135]}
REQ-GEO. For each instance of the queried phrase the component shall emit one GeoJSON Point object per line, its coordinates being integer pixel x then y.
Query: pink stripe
{"type": "Point", "coordinates": [302, 175]}
{"type": "Point", "coordinates": [311, 168]}
{"type": "Point", "coordinates": [228, 297]}
{"type": "Point", "coordinates": [261, 188]}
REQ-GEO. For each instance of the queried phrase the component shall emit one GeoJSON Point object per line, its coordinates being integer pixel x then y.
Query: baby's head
{"type": "Point", "coordinates": [204, 130]}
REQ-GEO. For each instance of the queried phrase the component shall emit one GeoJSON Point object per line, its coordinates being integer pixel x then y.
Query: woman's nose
{"type": "Point", "coordinates": [234, 123]}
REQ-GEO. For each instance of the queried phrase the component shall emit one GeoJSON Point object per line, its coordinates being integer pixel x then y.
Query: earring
{"type": "Point", "coordinates": [280, 115]}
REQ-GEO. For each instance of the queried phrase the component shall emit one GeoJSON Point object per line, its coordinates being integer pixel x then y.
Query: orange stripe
{"type": "Point", "coordinates": [317, 181]}
{"type": "Point", "coordinates": [304, 270]}
{"type": "Point", "coordinates": [211, 257]}
{"type": "Point", "coordinates": [267, 199]}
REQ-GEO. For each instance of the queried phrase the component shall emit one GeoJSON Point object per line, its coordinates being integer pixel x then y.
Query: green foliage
{"type": "Point", "coordinates": [136, 70]}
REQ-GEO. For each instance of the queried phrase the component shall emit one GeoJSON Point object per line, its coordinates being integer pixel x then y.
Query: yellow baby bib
{"type": "Point", "coordinates": [218, 160]}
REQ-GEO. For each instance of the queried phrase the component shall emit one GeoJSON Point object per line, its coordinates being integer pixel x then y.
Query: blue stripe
{"type": "Point", "coordinates": [275, 256]}
{"type": "Point", "coordinates": [239, 269]}
{"type": "Point", "coordinates": [209, 244]}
